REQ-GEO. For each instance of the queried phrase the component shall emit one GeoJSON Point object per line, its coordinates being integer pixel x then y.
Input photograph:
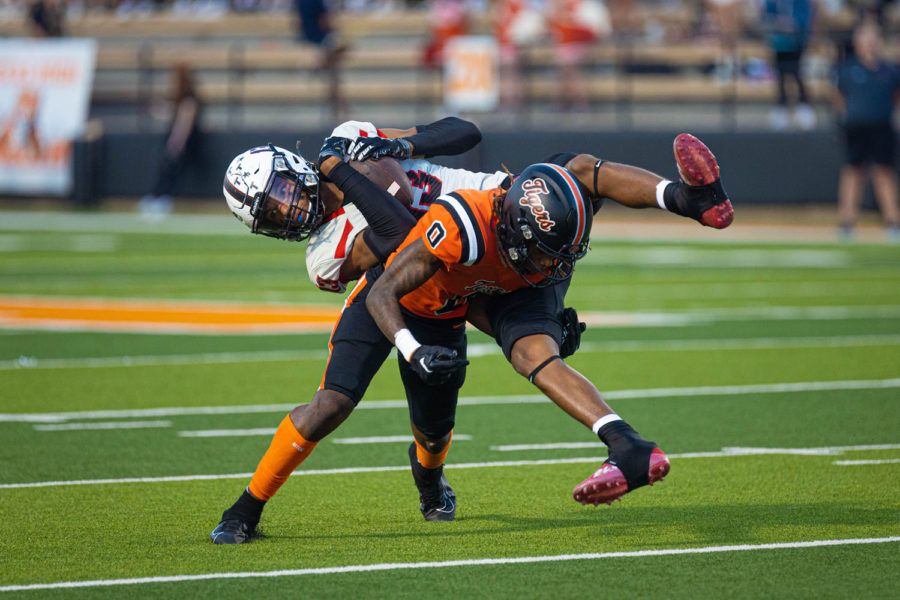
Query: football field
{"type": "Point", "coordinates": [143, 369]}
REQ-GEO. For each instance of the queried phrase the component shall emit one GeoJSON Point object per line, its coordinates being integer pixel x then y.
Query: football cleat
{"type": "Point", "coordinates": [697, 167]}
{"type": "Point", "coordinates": [232, 531]}
{"type": "Point", "coordinates": [440, 507]}
{"type": "Point", "coordinates": [437, 501]}
{"type": "Point", "coordinates": [608, 483]}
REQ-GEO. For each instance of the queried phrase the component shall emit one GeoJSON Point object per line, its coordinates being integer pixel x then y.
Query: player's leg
{"type": "Point", "coordinates": [528, 327]}
{"type": "Point", "coordinates": [432, 411]}
{"type": "Point", "coordinates": [884, 182]}
{"type": "Point", "coordinates": [857, 142]}
{"type": "Point", "coordinates": [884, 178]}
{"type": "Point", "coordinates": [632, 462]}
{"type": "Point", "coordinates": [699, 195]}
{"type": "Point", "coordinates": [358, 349]}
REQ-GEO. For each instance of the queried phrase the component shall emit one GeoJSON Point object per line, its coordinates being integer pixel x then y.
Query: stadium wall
{"type": "Point", "coordinates": [762, 167]}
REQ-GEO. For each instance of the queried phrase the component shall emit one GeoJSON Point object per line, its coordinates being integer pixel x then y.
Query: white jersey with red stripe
{"type": "Point", "coordinates": [329, 246]}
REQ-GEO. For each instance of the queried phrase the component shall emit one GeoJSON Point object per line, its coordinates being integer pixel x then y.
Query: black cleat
{"type": "Point", "coordinates": [233, 531]}
{"type": "Point", "coordinates": [437, 501]}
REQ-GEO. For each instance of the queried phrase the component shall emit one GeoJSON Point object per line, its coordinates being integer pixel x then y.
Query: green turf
{"type": "Point", "coordinates": [728, 315]}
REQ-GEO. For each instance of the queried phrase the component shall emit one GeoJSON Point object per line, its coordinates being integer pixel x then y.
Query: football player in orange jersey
{"type": "Point", "coordinates": [488, 243]}
{"type": "Point", "coordinates": [524, 340]}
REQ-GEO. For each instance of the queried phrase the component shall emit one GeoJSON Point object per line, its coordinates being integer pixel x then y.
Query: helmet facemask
{"type": "Point", "coordinates": [279, 211]}
{"type": "Point", "coordinates": [285, 205]}
{"type": "Point", "coordinates": [521, 247]}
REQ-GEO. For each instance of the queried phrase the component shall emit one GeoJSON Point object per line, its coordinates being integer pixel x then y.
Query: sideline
{"type": "Point", "coordinates": [474, 562]}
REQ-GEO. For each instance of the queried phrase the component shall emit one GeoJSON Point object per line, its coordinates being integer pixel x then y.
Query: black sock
{"type": "Point", "coordinates": [693, 201]}
{"type": "Point", "coordinates": [628, 451]}
{"type": "Point", "coordinates": [248, 509]}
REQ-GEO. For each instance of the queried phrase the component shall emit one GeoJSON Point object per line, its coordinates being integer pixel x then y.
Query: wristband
{"type": "Point", "coordinates": [406, 343]}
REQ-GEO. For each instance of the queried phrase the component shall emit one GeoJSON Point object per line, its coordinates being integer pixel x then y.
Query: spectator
{"type": "Point", "coordinates": [575, 25]}
{"type": "Point", "coordinates": [181, 143]}
{"type": "Point", "coordinates": [872, 9]}
{"type": "Point", "coordinates": [447, 19]}
{"type": "Point", "coordinates": [516, 25]}
{"type": "Point", "coordinates": [46, 18]}
{"type": "Point", "coordinates": [317, 27]}
{"type": "Point", "coordinates": [788, 24]}
{"type": "Point", "coordinates": [726, 15]}
{"type": "Point", "coordinates": [867, 91]}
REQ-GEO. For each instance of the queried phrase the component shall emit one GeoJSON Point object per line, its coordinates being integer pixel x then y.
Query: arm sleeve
{"type": "Point", "coordinates": [446, 137]}
{"type": "Point", "coordinates": [388, 219]}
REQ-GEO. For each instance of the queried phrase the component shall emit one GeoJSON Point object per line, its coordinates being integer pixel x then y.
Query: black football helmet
{"type": "Point", "coordinates": [544, 210]}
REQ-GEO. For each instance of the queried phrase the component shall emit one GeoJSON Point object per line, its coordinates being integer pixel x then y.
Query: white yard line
{"type": "Point", "coordinates": [550, 446]}
{"type": "Point", "coordinates": [487, 349]}
{"type": "Point", "coordinates": [675, 392]}
{"type": "Point", "coordinates": [109, 425]}
{"type": "Point", "coordinates": [472, 562]}
{"type": "Point", "coordinates": [204, 358]}
{"type": "Point", "coordinates": [117, 223]}
{"type": "Point", "coordinates": [854, 463]}
{"type": "Point", "coordinates": [724, 453]}
{"type": "Point", "coordinates": [387, 439]}
{"type": "Point", "coordinates": [207, 433]}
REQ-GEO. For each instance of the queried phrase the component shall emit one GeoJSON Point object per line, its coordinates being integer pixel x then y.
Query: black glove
{"type": "Point", "coordinates": [332, 146]}
{"type": "Point", "coordinates": [571, 333]}
{"type": "Point", "coordinates": [365, 148]}
{"type": "Point", "coordinates": [435, 364]}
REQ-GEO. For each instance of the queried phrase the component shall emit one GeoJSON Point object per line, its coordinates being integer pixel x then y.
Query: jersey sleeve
{"type": "Point", "coordinates": [451, 232]}
{"type": "Point", "coordinates": [329, 247]}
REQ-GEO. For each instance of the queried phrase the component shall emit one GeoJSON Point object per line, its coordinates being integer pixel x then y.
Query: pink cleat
{"type": "Point", "coordinates": [698, 167]}
{"type": "Point", "coordinates": [608, 483]}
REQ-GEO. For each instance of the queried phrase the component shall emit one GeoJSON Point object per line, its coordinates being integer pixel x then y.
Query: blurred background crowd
{"type": "Point", "coordinates": [593, 54]}
{"type": "Point", "coordinates": [177, 68]}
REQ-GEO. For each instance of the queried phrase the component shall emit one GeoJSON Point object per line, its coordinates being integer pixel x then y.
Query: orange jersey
{"type": "Point", "coordinates": [457, 230]}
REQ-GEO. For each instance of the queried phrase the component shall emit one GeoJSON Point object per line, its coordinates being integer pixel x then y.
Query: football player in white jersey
{"type": "Point", "coordinates": [329, 258]}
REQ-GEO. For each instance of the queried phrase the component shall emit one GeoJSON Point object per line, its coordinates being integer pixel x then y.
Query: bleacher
{"type": "Point", "coordinates": [254, 60]}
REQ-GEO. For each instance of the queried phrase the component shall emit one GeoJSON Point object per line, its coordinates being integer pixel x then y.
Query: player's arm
{"type": "Point", "coordinates": [630, 186]}
{"type": "Point", "coordinates": [446, 137]}
{"type": "Point", "coordinates": [699, 196]}
{"type": "Point", "coordinates": [388, 219]}
{"type": "Point", "coordinates": [413, 266]}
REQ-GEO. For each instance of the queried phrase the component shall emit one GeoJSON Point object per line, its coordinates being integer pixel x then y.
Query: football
{"type": "Point", "coordinates": [387, 174]}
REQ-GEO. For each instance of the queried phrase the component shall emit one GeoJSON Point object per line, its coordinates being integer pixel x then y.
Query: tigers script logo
{"type": "Point", "coordinates": [533, 189]}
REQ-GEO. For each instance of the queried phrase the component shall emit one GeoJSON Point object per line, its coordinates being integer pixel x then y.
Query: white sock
{"type": "Point", "coordinates": [660, 189]}
{"type": "Point", "coordinates": [603, 421]}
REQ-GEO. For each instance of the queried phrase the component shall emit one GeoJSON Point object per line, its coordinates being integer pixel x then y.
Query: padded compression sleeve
{"type": "Point", "coordinates": [388, 219]}
{"type": "Point", "coordinates": [446, 137]}
{"type": "Point", "coordinates": [560, 158]}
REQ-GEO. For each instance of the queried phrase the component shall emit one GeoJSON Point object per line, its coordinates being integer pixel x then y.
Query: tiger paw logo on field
{"type": "Point", "coordinates": [533, 189]}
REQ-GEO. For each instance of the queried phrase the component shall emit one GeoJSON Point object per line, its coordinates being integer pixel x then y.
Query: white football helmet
{"type": "Point", "coordinates": [274, 192]}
